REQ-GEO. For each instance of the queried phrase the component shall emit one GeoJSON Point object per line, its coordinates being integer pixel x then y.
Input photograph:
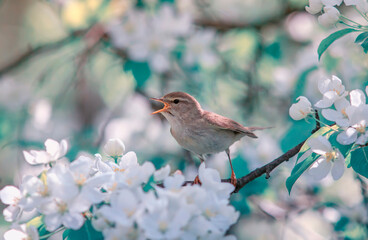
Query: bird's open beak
{"type": "Point", "coordinates": [165, 108]}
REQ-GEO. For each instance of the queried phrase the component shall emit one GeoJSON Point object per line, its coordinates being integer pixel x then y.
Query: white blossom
{"type": "Point", "coordinates": [11, 196]}
{"type": "Point", "coordinates": [29, 233]}
{"type": "Point", "coordinates": [315, 6]}
{"type": "Point", "coordinates": [162, 173]}
{"type": "Point", "coordinates": [332, 90]}
{"type": "Point", "coordinates": [339, 115]}
{"type": "Point", "coordinates": [113, 193]}
{"type": "Point", "coordinates": [330, 160]}
{"type": "Point", "coordinates": [301, 109]}
{"type": "Point", "coordinates": [329, 17]}
{"type": "Point", "coordinates": [358, 123]}
{"type": "Point", "coordinates": [114, 147]}
{"type": "Point", "coordinates": [54, 151]}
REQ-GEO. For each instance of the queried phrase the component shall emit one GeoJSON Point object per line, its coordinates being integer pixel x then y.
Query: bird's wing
{"type": "Point", "coordinates": [227, 124]}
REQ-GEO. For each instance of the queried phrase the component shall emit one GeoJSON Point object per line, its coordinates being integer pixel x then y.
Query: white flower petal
{"type": "Point", "coordinates": [11, 213]}
{"type": "Point", "coordinates": [52, 147]}
{"type": "Point", "coordinates": [337, 170]}
{"type": "Point", "coordinates": [331, 2]}
{"type": "Point", "coordinates": [341, 104]}
{"type": "Point", "coordinates": [14, 234]}
{"type": "Point", "coordinates": [331, 115]}
{"type": "Point", "coordinates": [315, 6]}
{"type": "Point", "coordinates": [73, 220]}
{"type": "Point", "coordinates": [319, 145]}
{"type": "Point", "coordinates": [114, 147]}
{"type": "Point", "coordinates": [347, 137]}
{"type": "Point", "coordinates": [162, 173]}
{"type": "Point", "coordinates": [52, 221]}
{"type": "Point", "coordinates": [357, 98]}
{"type": "Point", "coordinates": [174, 182]}
{"type": "Point", "coordinates": [329, 17]}
{"type": "Point", "coordinates": [320, 168]}
{"type": "Point", "coordinates": [10, 195]}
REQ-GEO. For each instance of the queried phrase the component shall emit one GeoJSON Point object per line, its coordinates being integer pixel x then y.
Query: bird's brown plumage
{"type": "Point", "coordinates": [226, 123]}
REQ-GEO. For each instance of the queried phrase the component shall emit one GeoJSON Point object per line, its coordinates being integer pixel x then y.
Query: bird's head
{"type": "Point", "coordinates": [179, 105]}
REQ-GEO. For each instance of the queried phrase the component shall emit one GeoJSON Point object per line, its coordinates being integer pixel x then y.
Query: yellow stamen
{"type": "Point", "coordinates": [330, 156]}
{"type": "Point", "coordinates": [361, 128]}
{"type": "Point", "coordinates": [163, 226]}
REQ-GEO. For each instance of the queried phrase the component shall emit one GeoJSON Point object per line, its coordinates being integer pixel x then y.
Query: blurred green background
{"type": "Point", "coordinates": [61, 76]}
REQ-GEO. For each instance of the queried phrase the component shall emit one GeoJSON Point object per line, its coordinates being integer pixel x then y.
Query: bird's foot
{"type": "Point", "coordinates": [233, 180]}
{"type": "Point", "coordinates": [197, 181]}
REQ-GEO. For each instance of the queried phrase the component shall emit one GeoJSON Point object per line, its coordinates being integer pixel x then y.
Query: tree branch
{"type": "Point", "coordinates": [32, 52]}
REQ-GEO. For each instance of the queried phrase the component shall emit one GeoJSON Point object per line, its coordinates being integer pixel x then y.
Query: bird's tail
{"type": "Point", "coordinates": [250, 131]}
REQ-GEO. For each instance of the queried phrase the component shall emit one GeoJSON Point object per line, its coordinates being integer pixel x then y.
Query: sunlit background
{"type": "Point", "coordinates": [85, 70]}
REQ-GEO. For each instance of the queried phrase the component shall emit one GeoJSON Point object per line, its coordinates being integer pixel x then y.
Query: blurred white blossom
{"type": "Point", "coordinates": [29, 233]}
{"type": "Point", "coordinates": [199, 49]}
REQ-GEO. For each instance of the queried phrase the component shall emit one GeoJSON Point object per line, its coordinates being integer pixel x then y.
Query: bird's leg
{"type": "Point", "coordinates": [233, 177]}
{"type": "Point", "coordinates": [196, 180]}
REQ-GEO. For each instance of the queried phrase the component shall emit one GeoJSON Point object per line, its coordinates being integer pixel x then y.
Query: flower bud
{"type": "Point", "coordinates": [114, 147]}
{"type": "Point", "coordinates": [301, 109]}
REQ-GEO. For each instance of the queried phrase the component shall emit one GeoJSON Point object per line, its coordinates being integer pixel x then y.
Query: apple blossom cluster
{"type": "Point", "coordinates": [350, 126]}
{"type": "Point", "coordinates": [330, 14]}
{"type": "Point", "coordinates": [111, 194]}
{"type": "Point", "coordinates": [154, 37]}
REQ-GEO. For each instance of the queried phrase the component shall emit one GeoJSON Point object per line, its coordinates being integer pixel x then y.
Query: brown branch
{"type": "Point", "coordinates": [32, 52]}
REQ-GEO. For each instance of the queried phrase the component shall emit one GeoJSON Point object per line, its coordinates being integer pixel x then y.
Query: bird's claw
{"type": "Point", "coordinates": [197, 181]}
{"type": "Point", "coordinates": [233, 180]}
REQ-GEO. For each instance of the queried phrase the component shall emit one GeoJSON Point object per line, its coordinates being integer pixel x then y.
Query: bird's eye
{"type": "Point", "coordinates": [176, 101]}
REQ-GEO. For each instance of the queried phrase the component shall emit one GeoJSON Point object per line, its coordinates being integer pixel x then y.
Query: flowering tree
{"type": "Point", "coordinates": [159, 46]}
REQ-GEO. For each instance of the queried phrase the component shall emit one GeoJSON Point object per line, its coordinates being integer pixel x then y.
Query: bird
{"type": "Point", "coordinates": [199, 131]}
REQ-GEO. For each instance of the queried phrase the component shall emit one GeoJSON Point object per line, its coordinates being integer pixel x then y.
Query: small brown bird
{"type": "Point", "coordinates": [200, 131]}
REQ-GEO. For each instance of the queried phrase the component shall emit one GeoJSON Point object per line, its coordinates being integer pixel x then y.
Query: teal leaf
{"type": "Point", "coordinates": [330, 39]}
{"type": "Point", "coordinates": [365, 45]}
{"type": "Point", "coordinates": [86, 232]}
{"type": "Point", "coordinates": [302, 81]}
{"type": "Point", "coordinates": [359, 161]}
{"type": "Point", "coordinates": [140, 70]}
{"type": "Point", "coordinates": [361, 37]}
{"type": "Point", "coordinates": [299, 169]}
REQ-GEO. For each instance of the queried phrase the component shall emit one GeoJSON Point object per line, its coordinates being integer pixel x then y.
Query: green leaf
{"type": "Point", "coordinates": [330, 39]}
{"type": "Point", "coordinates": [140, 70]}
{"type": "Point", "coordinates": [86, 232]}
{"type": "Point", "coordinates": [365, 45]}
{"type": "Point", "coordinates": [302, 81]}
{"type": "Point", "coordinates": [299, 169]}
{"type": "Point", "coordinates": [66, 234]}
{"type": "Point", "coordinates": [361, 37]}
{"type": "Point", "coordinates": [359, 161]}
